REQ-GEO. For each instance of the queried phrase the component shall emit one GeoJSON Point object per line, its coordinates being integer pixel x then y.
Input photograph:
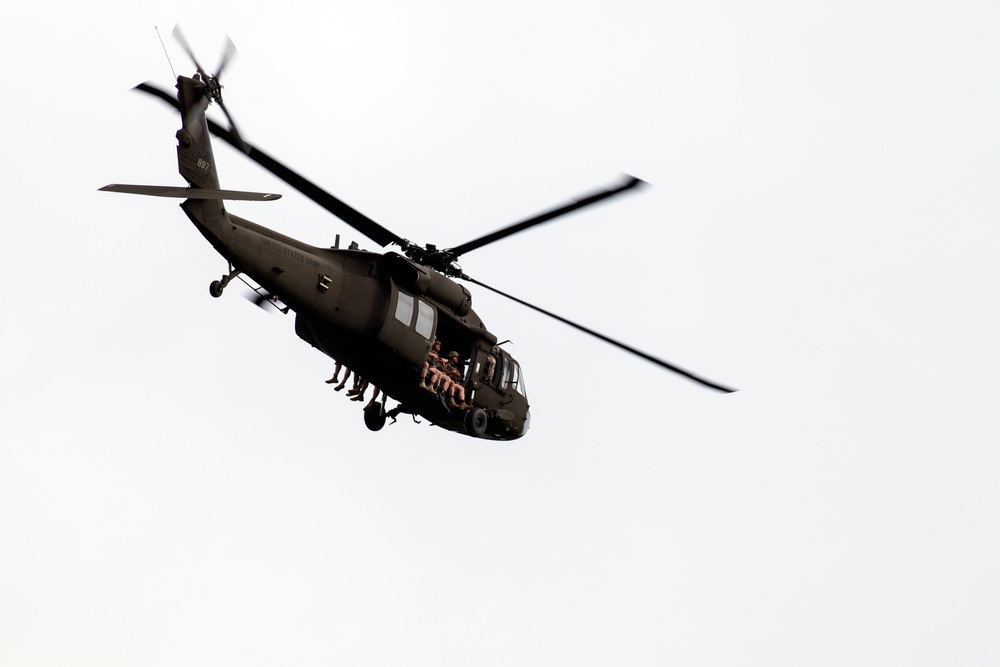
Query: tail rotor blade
{"type": "Point", "coordinates": [228, 52]}
{"type": "Point", "coordinates": [178, 34]}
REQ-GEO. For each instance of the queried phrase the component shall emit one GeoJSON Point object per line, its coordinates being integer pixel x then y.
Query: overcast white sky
{"type": "Point", "coordinates": [179, 486]}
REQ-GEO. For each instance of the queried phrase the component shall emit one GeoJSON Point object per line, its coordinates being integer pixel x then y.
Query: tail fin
{"type": "Point", "coordinates": [195, 159]}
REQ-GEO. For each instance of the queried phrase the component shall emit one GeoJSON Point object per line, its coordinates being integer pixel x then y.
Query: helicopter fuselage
{"type": "Point", "coordinates": [378, 314]}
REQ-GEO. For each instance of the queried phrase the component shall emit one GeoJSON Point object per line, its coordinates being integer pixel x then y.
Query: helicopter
{"type": "Point", "coordinates": [377, 314]}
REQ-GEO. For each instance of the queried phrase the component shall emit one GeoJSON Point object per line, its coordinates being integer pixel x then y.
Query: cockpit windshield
{"type": "Point", "coordinates": [504, 373]}
{"type": "Point", "coordinates": [517, 379]}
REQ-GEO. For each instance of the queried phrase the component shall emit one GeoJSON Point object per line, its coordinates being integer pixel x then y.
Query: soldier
{"type": "Point", "coordinates": [432, 358]}
{"type": "Point", "coordinates": [347, 376]}
{"type": "Point", "coordinates": [375, 393]}
{"type": "Point", "coordinates": [336, 372]}
{"type": "Point", "coordinates": [358, 390]}
{"type": "Point", "coordinates": [438, 373]}
{"type": "Point", "coordinates": [455, 378]}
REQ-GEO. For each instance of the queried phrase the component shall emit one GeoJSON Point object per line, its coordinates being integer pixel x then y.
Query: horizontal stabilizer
{"type": "Point", "coordinates": [190, 193]}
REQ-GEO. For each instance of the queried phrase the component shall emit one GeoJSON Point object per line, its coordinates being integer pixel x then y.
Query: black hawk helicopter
{"type": "Point", "coordinates": [376, 313]}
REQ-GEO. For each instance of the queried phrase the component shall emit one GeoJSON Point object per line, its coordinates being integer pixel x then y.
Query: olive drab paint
{"type": "Point", "coordinates": [376, 313]}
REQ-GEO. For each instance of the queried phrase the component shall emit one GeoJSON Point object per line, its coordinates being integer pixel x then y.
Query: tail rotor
{"type": "Point", "coordinates": [213, 87]}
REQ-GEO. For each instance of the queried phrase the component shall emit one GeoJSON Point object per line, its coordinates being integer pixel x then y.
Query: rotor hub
{"type": "Point", "coordinates": [439, 259]}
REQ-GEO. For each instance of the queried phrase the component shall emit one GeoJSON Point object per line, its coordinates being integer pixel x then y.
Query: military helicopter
{"type": "Point", "coordinates": [376, 313]}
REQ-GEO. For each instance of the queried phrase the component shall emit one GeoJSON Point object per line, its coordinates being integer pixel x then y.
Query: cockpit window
{"type": "Point", "coordinates": [516, 379]}
{"type": "Point", "coordinates": [503, 372]}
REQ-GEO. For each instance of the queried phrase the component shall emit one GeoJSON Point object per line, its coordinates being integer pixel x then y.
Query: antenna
{"type": "Point", "coordinates": [164, 46]}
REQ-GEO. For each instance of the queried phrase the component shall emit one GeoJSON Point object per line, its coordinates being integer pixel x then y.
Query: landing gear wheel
{"type": "Point", "coordinates": [475, 422]}
{"type": "Point", "coordinates": [375, 417]}
{"type": "Point", "coordinates": [218, 286]}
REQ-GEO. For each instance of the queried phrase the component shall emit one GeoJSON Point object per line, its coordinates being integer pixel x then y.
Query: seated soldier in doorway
{"type": "Point", "coordinates": [374, 400]}
{"type": "Point", "coordinates": [438, 378]}
{"type": "Point", "coordinates": [455, 389]}
{"type": "Point", "coordinates": [432, 358]}
{"type": "Point", "coordinates": [358, 390]}
{"type": "Point", "coordinates": [336, 372]}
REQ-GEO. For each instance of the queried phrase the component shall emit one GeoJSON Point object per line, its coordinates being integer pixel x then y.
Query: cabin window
{"type": "Point", "coordinates": [404, 308]}
{"type": "Point", "coordinates": [425, 319]}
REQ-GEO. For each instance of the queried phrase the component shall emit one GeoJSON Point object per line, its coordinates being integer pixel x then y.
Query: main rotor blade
{"type": "Point", "coordinates": [630, 183]}
{"type": "Point", "coordinates": [359, 221]}
{"type": "Point", "coordinates": [232, 128]}
{"type": "Point", "coordinates": [628, 348]}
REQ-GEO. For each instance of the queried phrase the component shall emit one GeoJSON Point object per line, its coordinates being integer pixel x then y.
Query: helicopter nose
{"type": "Point", "coordinates": [527, 422]}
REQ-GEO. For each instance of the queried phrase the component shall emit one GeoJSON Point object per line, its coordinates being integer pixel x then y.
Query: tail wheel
{"type": "Point", "coordinates": [475, 422]}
